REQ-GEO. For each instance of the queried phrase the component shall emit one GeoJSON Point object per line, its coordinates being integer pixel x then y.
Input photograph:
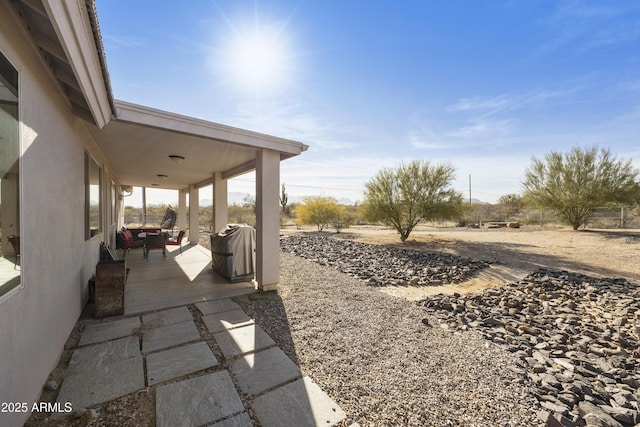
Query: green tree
{"type": "Point", "coordinates": [345, 218]}
{"type": "Point", "coordinates": [510, 205]}
{"type": "Point", "coordinates": [410, 193]}
{"type": "Point", "coordinates": [319, 211]}
{"type": "Point", "coordinates": [574, 183]}
{"type": "Point", "coordinates": [512, 201]}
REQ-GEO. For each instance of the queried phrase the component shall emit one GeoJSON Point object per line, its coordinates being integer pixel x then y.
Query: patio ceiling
{"type": "Point", "coordinates": [139, 140]}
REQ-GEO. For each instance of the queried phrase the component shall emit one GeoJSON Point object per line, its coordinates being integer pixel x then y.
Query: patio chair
{"type": "Point", "coordinates": [15, 242]}
{"type": "Point", "coordinates": [155, 241]}
{"type": "Point", "coordinates": [128, 241]}
{"type": "Point", "coordinates": [177, 241]}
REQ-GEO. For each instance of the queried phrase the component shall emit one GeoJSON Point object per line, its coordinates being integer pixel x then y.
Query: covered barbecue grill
{"type": "Point", "coordinates": [233, 252]}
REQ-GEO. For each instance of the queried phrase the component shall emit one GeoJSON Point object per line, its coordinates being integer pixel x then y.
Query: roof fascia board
{"type": "Point", "coordinates": [70, 21]}
{"type": "Point", "coordinates": [138, 114]}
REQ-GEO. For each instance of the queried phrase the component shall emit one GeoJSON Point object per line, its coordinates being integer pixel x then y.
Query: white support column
{"type": "Point", "coordinates": [220, 218]}
{"type": "Point", "coordinates": [267, 219]}
{"type": "Point", "coordinates": [194, 215]}
{"type": "Point", "coordinates": [182, 209]}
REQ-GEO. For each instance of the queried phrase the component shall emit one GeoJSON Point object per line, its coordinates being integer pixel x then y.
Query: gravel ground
{"type": "Point", "coordinates": [375, 356]}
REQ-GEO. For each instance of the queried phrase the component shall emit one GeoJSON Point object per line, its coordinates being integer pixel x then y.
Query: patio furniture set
{"type": "Point", "coordinates": [147, 239]}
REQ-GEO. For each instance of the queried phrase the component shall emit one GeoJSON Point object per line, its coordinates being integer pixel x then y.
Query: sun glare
{"type": "Point", "coordinates": [258, 60]}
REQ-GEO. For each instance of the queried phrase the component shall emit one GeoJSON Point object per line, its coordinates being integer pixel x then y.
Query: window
{"type": "Point", "coordinates": [92, 194]}
{"type": "Point", "coordinates": [113, 203]}
{"type": "Point", "coordinates": [9, 178]}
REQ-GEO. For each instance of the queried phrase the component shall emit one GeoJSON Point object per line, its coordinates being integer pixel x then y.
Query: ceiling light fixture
{"type": "Point", "coordinates": [162, 176]}
{"type": "Point", "coordinates": [176, 158]}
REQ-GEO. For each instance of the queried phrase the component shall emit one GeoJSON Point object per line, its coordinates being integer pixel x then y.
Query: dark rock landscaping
{"type": "Point", "coordinates": [576, 338]}
{"type": "Point", "coordinates": [380, 265]}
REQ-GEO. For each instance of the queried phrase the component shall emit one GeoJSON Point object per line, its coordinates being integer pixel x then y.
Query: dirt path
{"type": "Point", "coordinates": [514, 253]}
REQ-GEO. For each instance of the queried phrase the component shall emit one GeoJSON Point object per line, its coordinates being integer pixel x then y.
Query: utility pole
{"type": "Point", "coordinates": [469, 188]}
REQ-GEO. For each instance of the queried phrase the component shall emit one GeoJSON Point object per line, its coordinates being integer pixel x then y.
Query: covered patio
{"type": "Point", "coordinates": [179, 279]}
{"type": "Point", "coordinates": [152, 148]}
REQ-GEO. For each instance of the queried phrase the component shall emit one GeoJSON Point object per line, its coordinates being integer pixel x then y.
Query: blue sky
{"type": "Point", "coordinates": [483, 85]}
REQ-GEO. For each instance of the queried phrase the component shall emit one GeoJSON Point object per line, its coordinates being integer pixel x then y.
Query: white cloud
{"type": "Point", "coordinates": [476, 103]}
{"type": "Point", "coordinates": [587, 25]}
{"type": "Point", "coordinates": [123, 41]}
{"type": "Point", "coordinates": [288, 121]}
{"type": "Point", "coordinates": [483, 131]}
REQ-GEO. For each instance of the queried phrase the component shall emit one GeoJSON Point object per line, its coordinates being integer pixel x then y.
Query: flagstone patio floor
{"type": "Point", "coordinates": [209, 363]}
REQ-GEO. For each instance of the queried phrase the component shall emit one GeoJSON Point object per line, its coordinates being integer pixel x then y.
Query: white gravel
{"type": "Point", "coordinates": [376, 358]}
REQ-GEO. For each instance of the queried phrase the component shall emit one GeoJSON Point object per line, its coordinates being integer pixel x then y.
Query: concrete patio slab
{"type": "Point", "coordinates": [240, 420]}
{"type": "Point", "coordinates": [197, 401]}
{"type": "Point", "coordinates": [258, 372]}
{"type": "Point", "coordinates": [181, 279]}
{"type": "Point", "coordinates": [169, 336]}
{"type": "Point", "coordinates": [173, 293]}
{"type": "Point", "coordinates": [300, 403]}
{"type": "Point", "coordinates": [217, 306]}
{"type": "Point", "coordinates": [179, 361]}
{"type": "Point", "coordinates": [102, 384]}
{"type": "Point", "coordinates": [246, 339]}
{"type": "Point", "coordinates": [166, 317]}
{"type": "Point", "coordinates": [218, 322]}
{"type": "Point", "coordinates": [109, 330]}
{"type": "Point", "coordinates": [89, 358]}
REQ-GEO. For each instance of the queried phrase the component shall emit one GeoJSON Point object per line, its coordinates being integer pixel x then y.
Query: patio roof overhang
{"type": "Point", "coordinates": [138, 141]}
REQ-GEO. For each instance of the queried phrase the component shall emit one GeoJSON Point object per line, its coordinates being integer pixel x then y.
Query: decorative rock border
{"type": "Point", "coordinates": [576, 337]}
{"type": "Point", "coordinates": [381, 265]}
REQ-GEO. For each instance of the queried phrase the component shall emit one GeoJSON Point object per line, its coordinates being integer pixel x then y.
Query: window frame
{"type": "Point", "coordinates": [17, 287]}
{"type": "Point", "coordinates": [92, 213]}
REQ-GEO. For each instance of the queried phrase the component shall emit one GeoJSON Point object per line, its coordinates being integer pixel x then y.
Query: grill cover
{"type": "Point", "coordinates": [233, 252]}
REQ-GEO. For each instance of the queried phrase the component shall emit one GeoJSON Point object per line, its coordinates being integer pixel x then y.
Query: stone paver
{"type": "Point", "coordinates": [218, 322]}
{"type": "Point", "coordinates": [258, 372]}
{"type": "Point", "coordinates": [166, 317]}
{"type": "Point", "coordinates": [240, 420]}
{"type": "Point", "coordinates": [300, 403]}
{"type": "Point", "coordinates": [242, 340]}
{"type": "Point", "coordinates": [217, 306]}
{"type": "Point", "coordinates": [103, 383]}
{"type": "Point", "coordinates": [108, 364]}
{"type": "Point", "coordinates": [89, 358]}
{"type": "Point", "coordinates": [169, 336]}
{"type": "Point", "coordinates": [109, 330]}
{"type": "Point", "coordinates": [179, 361]}
{"type": "Point", "coordinates": [196, 401]}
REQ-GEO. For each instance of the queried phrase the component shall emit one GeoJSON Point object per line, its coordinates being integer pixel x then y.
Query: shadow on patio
{"type": "Point", "coordinates": [181, 278]}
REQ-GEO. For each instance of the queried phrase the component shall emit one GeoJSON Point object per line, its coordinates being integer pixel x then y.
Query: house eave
{"type": "Point", "coordinates": [76, 35]}
{"type": "Point", "coordinates": [67, 37]}
{"type": "Point", "coordinates": [146, 116]}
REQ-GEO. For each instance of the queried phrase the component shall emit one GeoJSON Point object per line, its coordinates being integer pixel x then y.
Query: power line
{"type": "Point", "coordinates": [307, 186]}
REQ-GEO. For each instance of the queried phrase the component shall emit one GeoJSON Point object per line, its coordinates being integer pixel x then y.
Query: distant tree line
{"type": "Point", "coordinates": [571, 185]}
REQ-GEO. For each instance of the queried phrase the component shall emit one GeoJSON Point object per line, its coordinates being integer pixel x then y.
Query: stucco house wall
{"type": "Point", "coordinates": [56, 261]}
